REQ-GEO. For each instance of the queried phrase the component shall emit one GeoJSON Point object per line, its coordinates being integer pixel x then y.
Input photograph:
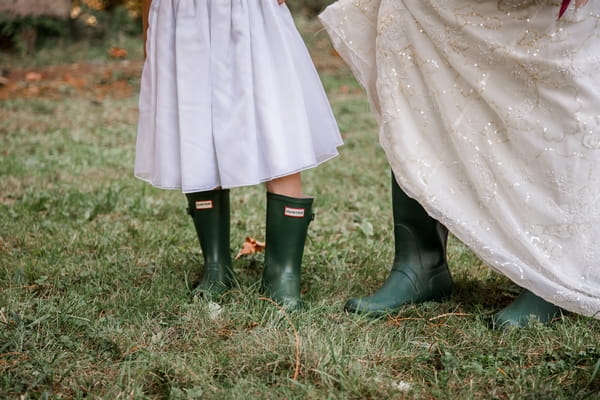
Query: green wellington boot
{"type": "Point", "coordinates": [420, 272]}
{"type": "Point", "coordinates": [523, 309]}
{"type": "Point", "coordinates": [210, 212]}
{"type": "Point", "coordinates": [287, 226]}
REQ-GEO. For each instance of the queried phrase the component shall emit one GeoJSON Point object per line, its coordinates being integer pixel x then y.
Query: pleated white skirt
{"type": "Point", "coordinates": [229, 97]}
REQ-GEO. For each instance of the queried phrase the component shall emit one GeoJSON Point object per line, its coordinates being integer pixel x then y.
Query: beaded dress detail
{"type": "Point", "coordinates": [489, 114]}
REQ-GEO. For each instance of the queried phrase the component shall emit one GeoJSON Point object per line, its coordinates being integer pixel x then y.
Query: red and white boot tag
{"type": "Point", "coordinates": [204, 204]}
{"type": "Point", "coordinates": [293, 212]}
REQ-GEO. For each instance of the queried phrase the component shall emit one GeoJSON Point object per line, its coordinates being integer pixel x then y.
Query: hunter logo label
{"type": "Point", "coordinates": [204, 204]}
{"type": "Point", "coordinates": [294, 212]}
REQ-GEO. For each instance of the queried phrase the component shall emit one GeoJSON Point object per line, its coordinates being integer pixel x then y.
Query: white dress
{"type": "Point", "coordinates": [229, 97]}
{"type": "Point", "coordinates": [489, 114]}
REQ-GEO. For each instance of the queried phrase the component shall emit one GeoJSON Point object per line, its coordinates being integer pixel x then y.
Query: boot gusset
{"type": "Point", "coordinates": [424, 263]}
{"type": "Point", "coordinates": [435, 285]}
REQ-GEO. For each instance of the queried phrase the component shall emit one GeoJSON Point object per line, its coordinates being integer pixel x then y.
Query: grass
{"type": "Point", "coordinates": [64, 50]}
{"type": "Point", "coordinates": [96, 267]}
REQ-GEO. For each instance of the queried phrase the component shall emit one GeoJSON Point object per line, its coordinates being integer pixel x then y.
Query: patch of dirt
{"type": "Point", "coordinates": [120, 78]}
{"type": "Point", "coordinates": [97, 80]}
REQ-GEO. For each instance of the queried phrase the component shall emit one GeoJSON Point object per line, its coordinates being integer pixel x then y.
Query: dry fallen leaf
{"type": "Point", "coordinates": [69, 79]}
{"type": "Point", "coordinates": [33, 76]}
{"type": "Point", "coordinates": [117, 52]}
{"type": "Point", "coordinates": [250, 246]}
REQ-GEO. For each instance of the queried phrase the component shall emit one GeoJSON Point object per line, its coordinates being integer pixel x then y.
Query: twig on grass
{"type": "Point", "coordinates": [133, 350]}
{"type": "Point", "coordinates": [449, 315]}
{"type": "Point", "coordinates": [296, 336]}
{"type": "Point", "coordinates": [12, 353]}
{"type": "Point", "coordinates": [397, 320]}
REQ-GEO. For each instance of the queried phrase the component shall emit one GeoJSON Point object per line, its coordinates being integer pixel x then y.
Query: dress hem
{"type": "Point", "coordinates": [256, 182]}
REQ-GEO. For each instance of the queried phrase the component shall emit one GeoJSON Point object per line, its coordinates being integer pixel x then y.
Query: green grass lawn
{"type": "Point", "coordinates": [96, 269]}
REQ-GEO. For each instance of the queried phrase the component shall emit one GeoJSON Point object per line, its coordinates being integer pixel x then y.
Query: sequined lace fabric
{"type": "Point", "coordinates": [489, 114]}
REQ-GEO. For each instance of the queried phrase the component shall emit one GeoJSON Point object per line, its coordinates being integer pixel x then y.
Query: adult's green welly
{"type": "Point", "coordinates": [525, 308]}
{"type": "Point", "coordinates": [419, 272]}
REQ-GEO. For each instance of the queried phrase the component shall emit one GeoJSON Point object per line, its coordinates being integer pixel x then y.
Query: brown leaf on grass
{"type": "Point", "coordinates": [78, 83]}
{"type": "Point", "coordinates": [251, 325]}
{"type": "Point", "coordinates": [250, 246]}
{"type": "Point", "coordinates": [33, 77]}
{"type": "Point", "coordinates": [117, 52]}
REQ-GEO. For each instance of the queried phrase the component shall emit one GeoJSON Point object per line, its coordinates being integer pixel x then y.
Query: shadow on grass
{"type": "Point", "coordinates": [489, 295]}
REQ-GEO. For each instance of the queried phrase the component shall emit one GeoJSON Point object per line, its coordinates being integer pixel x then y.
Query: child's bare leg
{"type": "Point", "coordinates": [289, 185]}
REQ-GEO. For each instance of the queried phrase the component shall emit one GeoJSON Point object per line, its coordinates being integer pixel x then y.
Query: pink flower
{"type": "Point", "coordinates": [563, 7]}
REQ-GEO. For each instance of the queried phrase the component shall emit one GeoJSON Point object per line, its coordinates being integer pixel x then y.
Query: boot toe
{"type": "Point", "coordinates": [289, 303]}
{"type": "Point", "coordinates": [208, 290]}
{"type": "Point", "coordinates": [287, 300]}
{"type": "Point", "coordinates": [364, 306]}
{"type": "Point", "coordinates": [284, 289]}
{"type": "Point", "coordinates": [502, 320]}
{"type": "Point", "coordinates": [213, 284]}
{"type": "Point", "coordinates": [511, 320]}
{"type": "Point", "coordinates": [526, 308]}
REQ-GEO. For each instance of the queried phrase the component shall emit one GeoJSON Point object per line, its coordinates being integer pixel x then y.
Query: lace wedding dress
{"type": "Point", "coordinates": [489, 114]}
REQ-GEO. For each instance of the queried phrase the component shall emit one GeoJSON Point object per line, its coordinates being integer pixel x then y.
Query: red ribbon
{"type": "Point", "coordinates": [563, 7]}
